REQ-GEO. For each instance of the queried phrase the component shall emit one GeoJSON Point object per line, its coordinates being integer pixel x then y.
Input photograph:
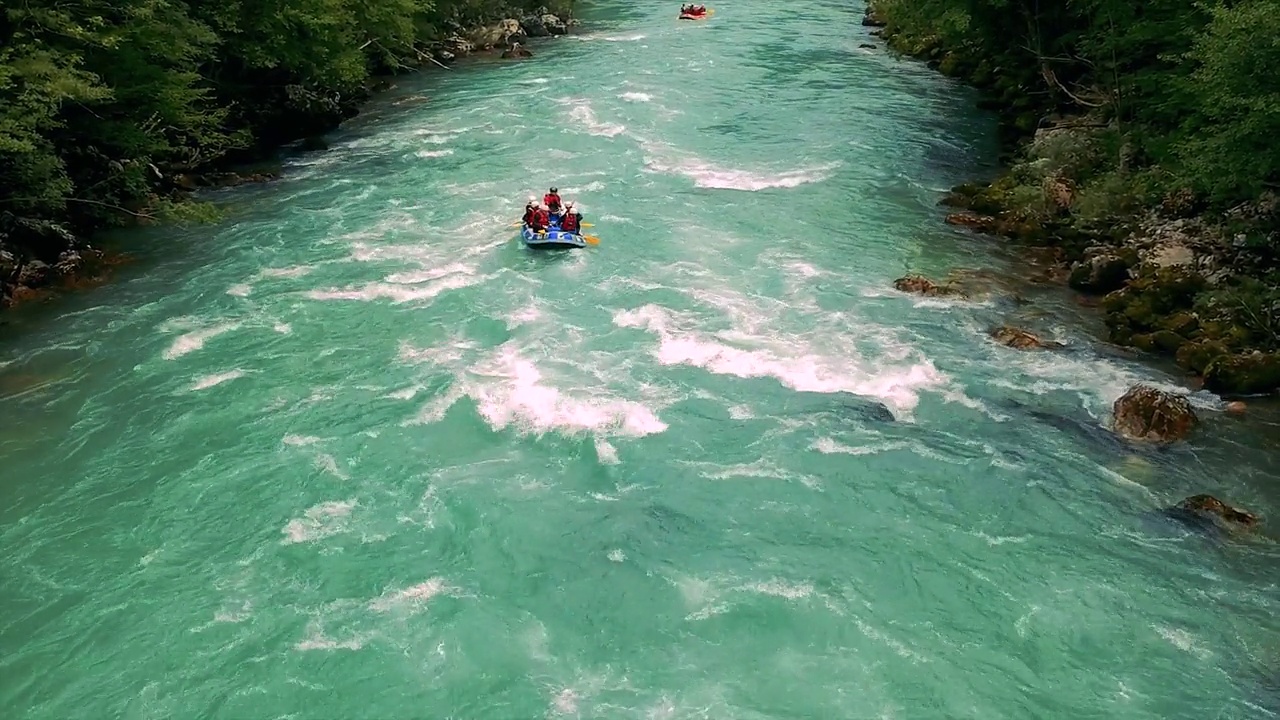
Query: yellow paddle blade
{"type": "Point", "coordinates": [516, 224]}
{"type": "Point", "coordinates": [588, 224]}
{"type": "Point", "coordinates": [591, 239]}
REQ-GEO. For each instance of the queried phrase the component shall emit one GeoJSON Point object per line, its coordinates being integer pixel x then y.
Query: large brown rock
{"type": "Point", "coordinates": [922, 285]}
{"type": "Point", "coordinates": [1145, 413]}
{"type": "Point", "coordinates": [1101, 271]}
{"type": "Point", "coordinates": [1207, 509]}
{"type": "Point", "coordinates": [973, 221]}
{"type": "Point", "coordinates": [1020, 339]}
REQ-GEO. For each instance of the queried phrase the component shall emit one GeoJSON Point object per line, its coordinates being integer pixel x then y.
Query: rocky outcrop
{"type": "Point", "coordinates": [1020, 339]}
{"type": "Point", "coordinates": [1209, 513]}
{"type": "Point", "coordinates": [1147, 305]}
{"type": "Point", "coordinates": [544, 25]}
{"type": "Point", "coordinates": [871, 17]}
{"type": "Point", "coordinates": [1102, 270]}
{"type": "Point", "coordinates": [973, 221]}
{"type": "Point", "coordinates": [1148, 414]}
{"type": "Point", "coordinates": [1243, 373]}
{"type": "Point", "coordinates": [506, 32]}
{"type": "Point", "coordinates": [922, 285]}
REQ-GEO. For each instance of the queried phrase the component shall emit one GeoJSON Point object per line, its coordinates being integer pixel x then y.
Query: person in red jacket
{"type": "Point", "coordinates": [529, 211]}
{"type": "Point", "coordinates": [540, 219]}
{"type": "Point", "coordinates": [572, 220]}
{"type": "Point", "coordinates": [552, 201]}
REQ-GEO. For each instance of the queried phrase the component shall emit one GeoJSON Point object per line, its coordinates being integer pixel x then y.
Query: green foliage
{"type": "Point", "coordinates": [1185, 87]}
{"type": "Point", "coordinates": [103, 101]}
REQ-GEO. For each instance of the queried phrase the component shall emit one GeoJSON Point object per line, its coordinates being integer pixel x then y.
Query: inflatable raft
{"type": "Point", "coordinates": [697, 16]}
{"type": "Point", "coordinates": [553, 239]}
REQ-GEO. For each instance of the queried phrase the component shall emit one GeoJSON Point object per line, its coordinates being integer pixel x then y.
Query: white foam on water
{"type": "Point", "coordinates": [1183, 640]}
{"type": "Point", "coordinates": [447, 354]}
{"type": "Point", "coordinates": [300, 440]}
{"type": "Point", "coordinates": [427, 275]}
{"type": "Point", "coordinates": [1098, 382]}
{"type": "Point", "coordinates": [631, 37]}
{"type": "Point", "coordinates": [638, 97]}
{"type": "Point", "coordinates": [796, 361]}
{"type": "Point", "coordinates": [520, 399]}
{"type": "Point", "coordinates": [593, 186]}
{"type": "Point", "coordinates": [193, 341]}
{"type": "Point", "coordinates": [427, 154]}
{"type": "Point", "coordinates": [317, 640]}
{"type": "Point", "coordinates": [399, 294]}
{"type": "Point", "coordinates": [240, 290]}
{"type": "Point", "coordinates": [829, 446]}
{"type": "Point", "coordinates": [606, 452]}
{"type": "Point", "coordinates": [293, 271]}
{"type": "Point", "coordinates": [662, 158]}
{"type": "Point", "coordinates": [525, 315]}
{"type": "Point", "coordinates": [209, 381]}
{"type": "Point", "coordinates": [780, 588]}
{"type": "Point", "coordinates": [585, 117]}
{"type": "Point", "coordinates": [319, 522]}
{"type": "Point", "coordinates": [282, 328]}
{"type": "Point", "coordinates": [414, 597]}
{"type": "Point", "coordinates": [616, 555]}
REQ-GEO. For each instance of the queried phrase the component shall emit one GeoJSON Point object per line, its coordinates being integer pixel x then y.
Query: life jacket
{"type": "Point", "coordinates": [540, 219]}
{"type": "Point", "coordinates": [528, 214]}
{"type": "Point", "coordinates": [569, 223]}
{"type": "Point", "coordinates": [552, 201]}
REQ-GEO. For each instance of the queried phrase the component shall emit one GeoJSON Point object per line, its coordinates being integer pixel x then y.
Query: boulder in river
{"type": "Point", "coordinates": [516, 51]}
{"type": "Point", "coordinates": [1209, 513]}
{"type": "Point", "coordinates": [1146, 413]}
{"type": "Point", "coordinates": [1020, 339]}
{"type": "Point", "coordinates": [922, 285]}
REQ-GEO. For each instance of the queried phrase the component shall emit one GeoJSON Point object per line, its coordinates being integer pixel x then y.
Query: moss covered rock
{"type": "Point", "coordinates": [1243, 373]}
{"type": "Point", "coordinates": [1197, 354]}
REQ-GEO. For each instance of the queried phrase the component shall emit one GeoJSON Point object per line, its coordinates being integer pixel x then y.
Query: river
{"type": "Point", "coordinates": [356, 453]}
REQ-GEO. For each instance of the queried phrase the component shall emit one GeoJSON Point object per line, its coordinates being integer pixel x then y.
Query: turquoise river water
{"type": "Point", "coordinates": [355, 453]}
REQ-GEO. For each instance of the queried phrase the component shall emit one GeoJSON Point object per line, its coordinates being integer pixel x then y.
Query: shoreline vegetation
{"type": "Point", "coordinates": [1139, 149]}
{"type": "Point", "coordinates": [113, 113]}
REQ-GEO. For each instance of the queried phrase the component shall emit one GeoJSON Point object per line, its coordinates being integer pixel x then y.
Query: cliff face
{"type": "Point", "coordinates": [1119, 154]}
{"type": "Point", "coordinates": [112, 114]}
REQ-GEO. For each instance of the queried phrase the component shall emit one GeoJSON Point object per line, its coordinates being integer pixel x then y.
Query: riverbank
{"type": "Point", "coordinates": [1172, 236]}
{"type": "Point", "coordinates": [111, 152]}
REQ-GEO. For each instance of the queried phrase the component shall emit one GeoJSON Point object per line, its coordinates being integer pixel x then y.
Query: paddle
{"type": "Point", "coordinates": [591, 239]}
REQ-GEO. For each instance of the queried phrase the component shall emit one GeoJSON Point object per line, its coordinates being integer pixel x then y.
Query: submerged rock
{"type": "Point", "coordinates": [516, 51]}
{"type": "Point", "coordinates": [1148, 414]}
{"type": "Point", "coordinates": [1020, 339]}
{"type": "Point", "coordinates": [922, 285]}
{"type": "Point", "coordinates": [1244, 373]}
{"type": "Point", "coordinates": [1207, 512]}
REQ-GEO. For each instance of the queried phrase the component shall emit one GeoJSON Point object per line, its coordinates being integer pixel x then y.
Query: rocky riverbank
{"type": "Point", "coordinates": [1173, 276]}
{"type": "Point", "coordinates": [41, 254]}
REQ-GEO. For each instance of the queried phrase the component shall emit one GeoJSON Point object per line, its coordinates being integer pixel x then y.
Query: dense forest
{"type": "Point", "coordinates": [107, 106]}
{"type": "Point", "coordinates": [1143, 148]}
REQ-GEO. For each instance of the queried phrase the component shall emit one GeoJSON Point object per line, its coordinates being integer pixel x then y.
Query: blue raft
{"type": "Point", "coordinates": [553, 239]}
